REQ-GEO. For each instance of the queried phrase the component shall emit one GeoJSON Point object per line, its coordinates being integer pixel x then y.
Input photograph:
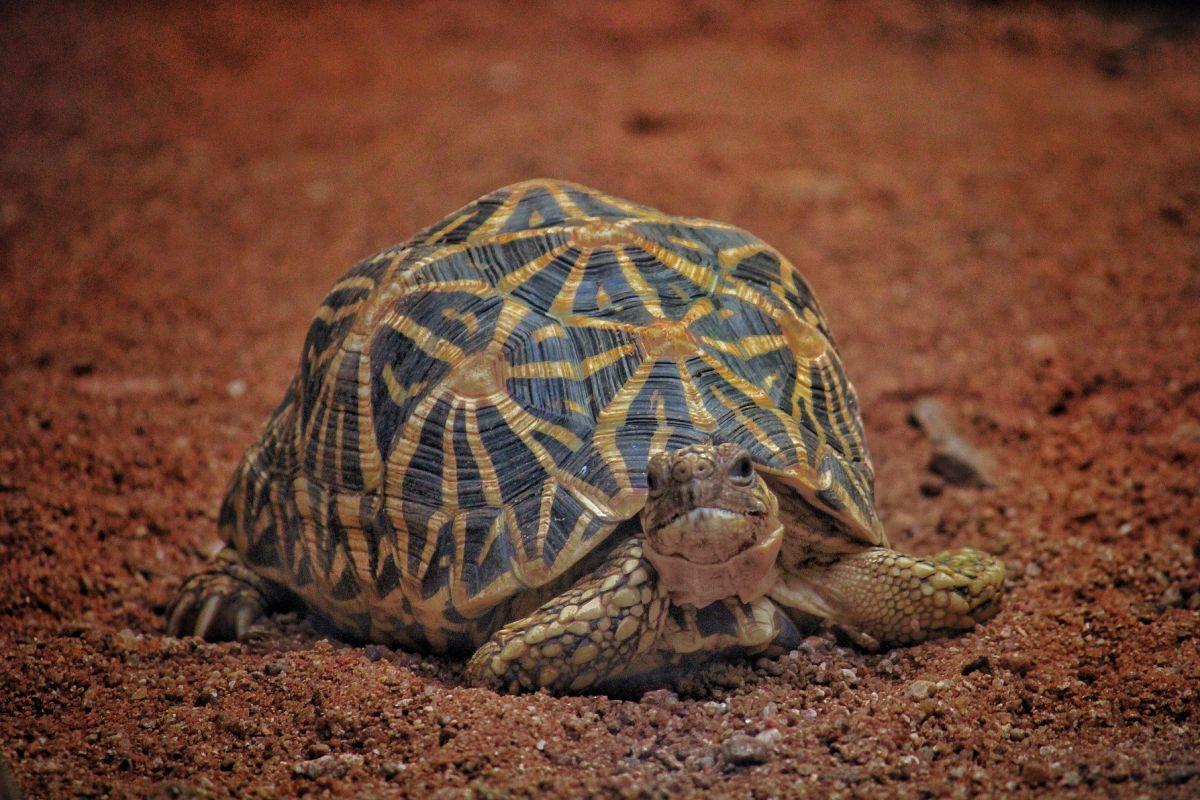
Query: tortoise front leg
{"type": "Point", "coordinates": [693, 636]}
{"type": "Point", "coordinates": [580, 637]}
{"type": "Point", "coordinates": [883, 597]}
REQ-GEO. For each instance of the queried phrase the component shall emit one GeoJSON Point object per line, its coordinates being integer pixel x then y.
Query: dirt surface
{"type": "Point", "coordinates": [998, 206]}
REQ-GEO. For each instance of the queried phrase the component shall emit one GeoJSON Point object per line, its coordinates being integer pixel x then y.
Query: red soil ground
{"type": "Point", "coordinates": [998, 206]}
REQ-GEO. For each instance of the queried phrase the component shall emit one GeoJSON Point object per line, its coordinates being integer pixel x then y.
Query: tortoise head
{"type": "Point", "coordinates": [711, 523]}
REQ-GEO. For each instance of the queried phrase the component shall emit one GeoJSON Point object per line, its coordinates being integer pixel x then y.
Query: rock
{"type": "Point", "coordinates": [979, 664]}
{"type": "Point", "coordinates": [1042, 346]}
{"type": "Point", "coordinates": [236, 388]}
{"type": "Point", "coordinates": [742, 750]}
{"type": "Point", "coordinates": [954, 458]}
{"type": "Point", "coordinates": [1172, 597]}
{"type": "Point", "coordinates": [333, 766]}
{"type": "Point", "coordinates": [959, 463]}
{"type": "Point", "coordinates": [1015, 662]}
{"type": "Point", "coordinates": [920, 690]}
{"type": "Point", "coordinates": [1072, 778]}
{"type": "Point", "coordinates": [1036, 773]}
{"type": "Point", "coordinates": [770, 737]}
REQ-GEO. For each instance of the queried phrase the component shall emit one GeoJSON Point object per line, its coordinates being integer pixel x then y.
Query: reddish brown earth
{"type": "Point", "coordinates": [999, 206]}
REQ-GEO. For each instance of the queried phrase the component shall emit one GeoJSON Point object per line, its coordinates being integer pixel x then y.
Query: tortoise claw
{"type": "Point", "coordinates": [241, 621]}
{"type": "Point", "coordinates": [208, 613]}
{"type": "Point", "coordinates": [216, 606]}
{"type": "Point", "coordinates": [183, 604]}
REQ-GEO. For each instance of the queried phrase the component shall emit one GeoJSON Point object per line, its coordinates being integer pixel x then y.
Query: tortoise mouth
{"type": "Point", "coordinates": [709, 534]}
{"type": "Point", "coordinates": [747, 574]}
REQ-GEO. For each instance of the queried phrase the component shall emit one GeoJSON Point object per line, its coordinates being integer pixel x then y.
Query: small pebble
{"type": "Point", "coordinates": [1035, 773]}
{"type": "Point", "coordinates": [742, 750]}
{"type": "Point", "coordinates": [1171, 598]}
{"type": "Point", "coordinates": [955, 459]}
{"type": "Point", "coordinates": [920, 690]}
{"type": "Point", "coordinates": [333, 766]}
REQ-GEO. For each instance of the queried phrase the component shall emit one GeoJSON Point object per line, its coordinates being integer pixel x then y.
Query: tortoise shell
{"type": "Point", "coordinates": [475, 408]}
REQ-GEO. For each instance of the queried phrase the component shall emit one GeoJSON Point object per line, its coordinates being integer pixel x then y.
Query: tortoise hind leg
{"type": "Point", "coordinates": [221, 602]}
{"type": "Point", "coordinates": [583, 635]}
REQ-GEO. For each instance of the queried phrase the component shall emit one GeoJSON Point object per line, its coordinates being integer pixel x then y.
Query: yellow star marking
{"type": "Point", "coordinates": [480, 376]}
{"type": "Point", "coordinates": [483, 461]}
{"type": "Point", "coordinates": [699, 415]}
{"type": "Point", "coordinates": [668, 339]}
{"type": "Point", "coordinates": [637, 282]}
{"type": "Point", "coordinates": [451, 224]}
{"type": "Point", "coordinates": [557, 190]}
{"type": "Point", "coordinates": [688, 243]}
{"type": "Point", "coordinates": [398, 393]}
{"type": "Point", "coordinates": [545, 369]}
{"type": "Point", "coordinates": [501, 215]}
{"type": "Point", "coordinates": [745, 421]}
{"type": "Point", "coordinates": [698, 274]}
{"type": "Point", "coordinates": [761, 344]}
{"type": "Point", "coordinates": [732, 255]}
{"type": "Point", "coordinates": [564, 301]}
{"type": "Point", "coordinates": [468, 318]}
{"type": "Point", "coordinates": [593, 364]}
{"type": "Point", "coordinates": [353, 282]}
{"type": "Point", "coordinates": [524, 273]}
{"type": "Point", "coordinates": [662, 431]}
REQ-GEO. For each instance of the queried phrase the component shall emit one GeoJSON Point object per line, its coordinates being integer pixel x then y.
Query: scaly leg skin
{"type": "Point", "coordinates": [881, 597]}
{"type": "Point", "coordinates": [223, 601]}
{"type": "Point", "coordinates": [692, 636]}
{"type": "Point", "coordinates": [580, 637]}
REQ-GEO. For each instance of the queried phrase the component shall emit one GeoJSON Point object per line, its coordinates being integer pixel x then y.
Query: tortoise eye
{"type": "Point", "coordinates": [742, 469]}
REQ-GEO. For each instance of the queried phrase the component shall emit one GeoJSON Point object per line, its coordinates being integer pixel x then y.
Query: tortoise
{"type": "Point", "coordinates": [581, 440]}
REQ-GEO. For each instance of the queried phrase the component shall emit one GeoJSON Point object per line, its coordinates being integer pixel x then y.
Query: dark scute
{"type": "Point", "coordinates": [604, 384]}
{"type": "Point", "coordinates": [760, 269]}
{"type": "Point", "coordinates": [480, 212]}
{"type": "Point", "coordinates": [441, 563]}
{"type": "Point", "coordinates": [497, 260]}
{"type": "Point", "coordinates": [535, 201]}
{"type": "Point", "coordinates": [518, 471]}
{"type": "Point", "coordinates": [303, 574]}
{"type": "Point", "coordinates": [264, 551]}
{"type": "Point", "coordinates": [347, 587]}
{"type": "Point", "coordinates": [496, 562]}
{"type": "Point", "coordinates": [387, 578]}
